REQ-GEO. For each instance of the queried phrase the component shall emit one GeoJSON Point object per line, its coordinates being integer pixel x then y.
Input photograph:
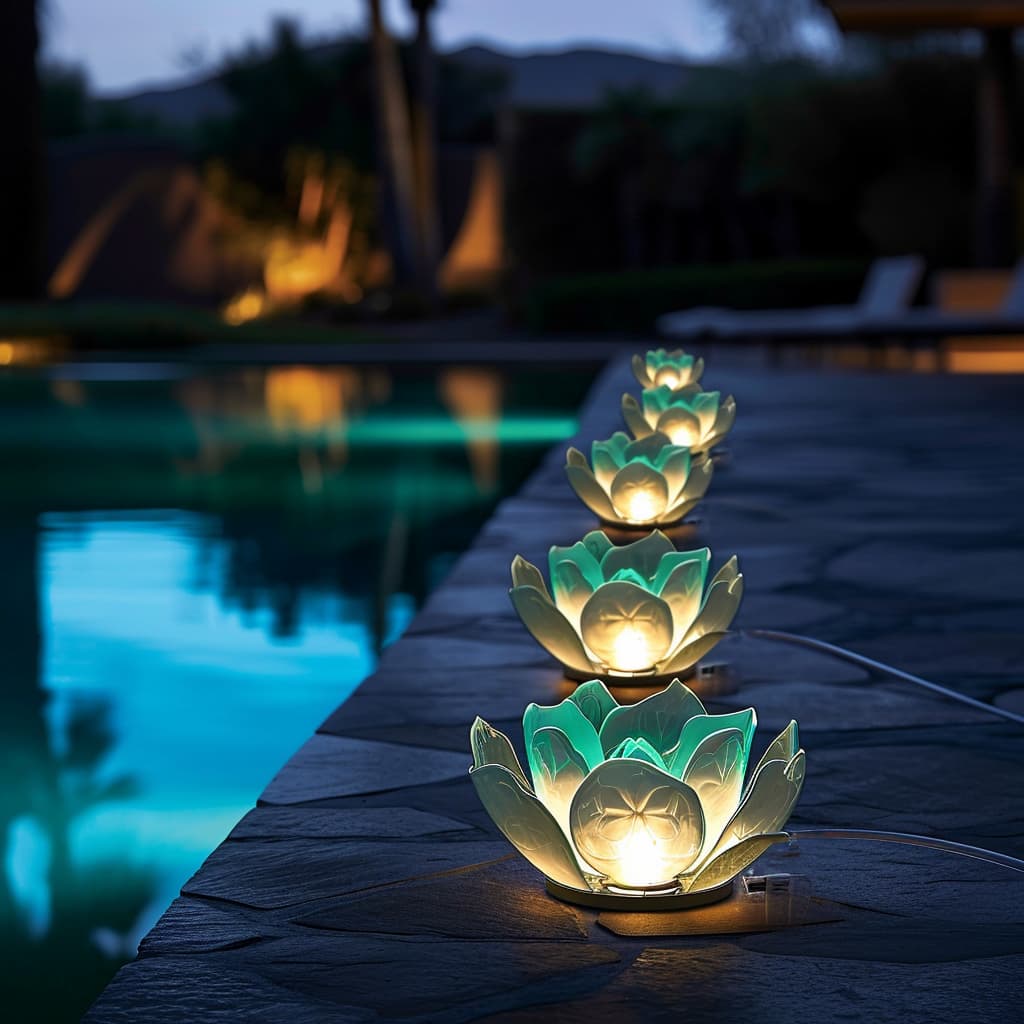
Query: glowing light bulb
{"type": "Point", "coordinates": [631, 651]}
{"type": "Point", "coordinates": [669, 379]}
{"type": "Point", "coordinates": [643, 506]}
{"type": "Point", "coordinates": [640, 864]}
{"type": "Point", "coordinates": [684, 435]}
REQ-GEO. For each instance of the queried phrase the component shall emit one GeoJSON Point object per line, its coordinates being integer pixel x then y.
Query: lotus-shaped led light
{"type": "Point", "coordinates": [674, 369]}
{"type": "Point", "coordinates": [635, 800]}
{"type": "Point", "coordinates": [639, 611]}
{"type": "Point", "coordinates": [692, 418]}
{"type": "Point", "coordinates": [650, 482]}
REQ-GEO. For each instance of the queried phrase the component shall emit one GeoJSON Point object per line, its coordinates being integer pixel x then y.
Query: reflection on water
{"type": "Point", "coordinates": [195, 572]}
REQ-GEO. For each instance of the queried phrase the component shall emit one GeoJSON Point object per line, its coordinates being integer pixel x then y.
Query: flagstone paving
{"type": "Point", "coordinates": [879, 512]}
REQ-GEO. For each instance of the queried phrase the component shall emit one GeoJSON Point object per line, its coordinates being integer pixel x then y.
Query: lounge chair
{"type": "Point", "coordinates": [888, 290]}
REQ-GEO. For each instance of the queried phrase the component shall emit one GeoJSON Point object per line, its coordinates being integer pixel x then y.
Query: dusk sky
{"type": "Point", "coordinates": [125, 43]}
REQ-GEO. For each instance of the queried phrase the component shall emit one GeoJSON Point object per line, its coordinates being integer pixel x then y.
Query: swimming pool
{"type": "Point", "coordinates": [195, 569]}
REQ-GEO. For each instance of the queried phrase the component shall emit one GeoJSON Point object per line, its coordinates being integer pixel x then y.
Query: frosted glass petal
{"type": "Point", "coordinates": [769, 802]}
{"type": "Point", "coordinates": [527, 825]}
{"type": "Point", "coordinates": [639, 365]}
{"type": "Point", "coordinates": [598, 544]}
{"type": "Point", "coordinates": [676, 468]}
{"type": "Point", "coordinates": [659, 719]}
{"type": "Point", "coordinates": [681, 591]}
{"type": "Point", "coordinates": [571, 589]}
{"type": "Point", "coordinates": [705, 407]}
{"type": "Point", "coordinates": [644, 556]}
{"type": "Point", "coordinates": [699, 480]}
{"type": "Point", "coordinates": [635, 823]}
{"type": "Point", "coordinates": [699, 728]}
{"type": "Point", "coordinates": [557, 768]}
{"type": "Point", "coordinates": [720, 606]}
{"type": "Point", "coordinates": [526, 574]}
{"type": "Point", "coordinates": [686, 656]}
{"type": "Point", "coordinates": [783, 747]}
{"type": "Point", "coordinates": [715, 773]}
{"type": "Point", "coordinates": [640, 750]}
{"type": "Point", "coordinates": [550, 628]}
{"type": "Point", "coordinates": [606, 463]}
{"type": "Point", "coordinates": [639, 493]}
{"type": "Point", "coordinates": [567, 718]}
{"type": "Point", "coordinates": [627, 627]}
{"type": "Point", "coordinates": [649, 448]}
{"type": "Point", "coordinates": [589, 491]}
{"type": "Point", "coordinates": [730, 863]}
{"type": "Point", "coordinates": [634, 417]}
{"type": "Point", "coordinates": [574, 457]}
{"type": "Point", "coordinates": [491, 746]}
{"type": "Point", "coordinates": [581, 556]}
{"type": "Point", "coordinates": [682, 426]}
{"type": "Point", "coordinates": [594, 700]}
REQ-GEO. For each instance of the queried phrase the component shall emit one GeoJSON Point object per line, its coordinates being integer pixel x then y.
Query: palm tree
{"type": "Point", "coordinates": [21, 153]}
{"type": "Point", "coordinates": [425, 148]}
{"type": "Point", "coordinates": [394, 149]}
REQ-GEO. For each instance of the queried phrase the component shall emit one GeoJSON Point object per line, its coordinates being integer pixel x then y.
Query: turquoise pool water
{"type": "Point", "coordinates": [195, 569]}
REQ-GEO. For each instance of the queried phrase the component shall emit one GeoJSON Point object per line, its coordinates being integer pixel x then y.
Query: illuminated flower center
{"type": "Point", "coordinates": [631, 649]}
{"type": "Point", "coordinates": [627, 627]}
{"type": "Point", "coordinates": [668, 377]}
{"type": "Point", "coordinates": [639, 493]}
{"type": "Point", "coordinates": [685, 433]}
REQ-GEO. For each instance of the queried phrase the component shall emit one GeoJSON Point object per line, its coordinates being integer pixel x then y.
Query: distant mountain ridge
{"type": "Point", "coordinates": [577, 77]}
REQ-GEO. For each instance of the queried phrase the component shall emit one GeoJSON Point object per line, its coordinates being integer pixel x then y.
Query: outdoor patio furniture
{"type": "Point", "coordinates": [888, 290]}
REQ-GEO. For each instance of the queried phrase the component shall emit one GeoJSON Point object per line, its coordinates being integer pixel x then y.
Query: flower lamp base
{"type": "Point", "coordinates": [649, 899]}
{"type": "Point", "coordinates": [704, 678]}
{"type": "Point", "coordinates": [681, 531]}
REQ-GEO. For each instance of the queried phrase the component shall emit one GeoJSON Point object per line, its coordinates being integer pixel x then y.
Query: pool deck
{"type": "Point", "coordinates": [880, 512]}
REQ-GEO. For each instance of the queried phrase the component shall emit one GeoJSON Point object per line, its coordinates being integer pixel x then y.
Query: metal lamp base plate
{"type": "Point", "coordinates": [656, 900]}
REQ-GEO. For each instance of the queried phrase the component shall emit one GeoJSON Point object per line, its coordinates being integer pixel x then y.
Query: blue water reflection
{"type": "Point", "coordinates": [194, 571]}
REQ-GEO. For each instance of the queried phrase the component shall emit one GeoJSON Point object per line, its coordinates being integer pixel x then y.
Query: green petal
{"type": "Point", "coordinates": [567, 718]}
{"type": "Point", "coordinates": [649, 448]}
{"type": "Point", "coordinates": [527, 825]}
{"type": "Point", "coordinates": [491, 746]}
{"type": "Point", "coordinates": [597, 543]}
{"type": "Point", "coordinates": [606, 463]}
{"type": "Point", "coordinates": [636, 824]}
{"type": "Point", "coordinates": [571, 589]}
{"type": "Point", "coordinates": [699, 560]}
{"type": "Point", "coordinates": [656, 400]}
{"type": "Point", "coordinates": [659, 719]}
{"type": "Point", "coordinates": [594, 700]}
{"type": "Point", "coordinates": [698, 729]}
{"type": "Point", "coordinates": [643, 555]}
{"type": "Point", "coordinates": [550, 628]}
{"type": "Point", "coordinates": [639, 750]}
{"type": "Point", "coordinates": [580, 556]}
{"type": "Point", "coordinates": [557, 768]}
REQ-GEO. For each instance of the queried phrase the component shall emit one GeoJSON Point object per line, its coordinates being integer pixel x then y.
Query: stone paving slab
{"type": "Point", "coordinates": [880, 512]}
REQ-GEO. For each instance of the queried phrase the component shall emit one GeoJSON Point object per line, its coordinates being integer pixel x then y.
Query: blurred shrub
{"type": "Point", "coordinates": [633, 299]}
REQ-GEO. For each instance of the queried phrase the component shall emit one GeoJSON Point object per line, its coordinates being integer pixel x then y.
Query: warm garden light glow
{"type": "Point", "coordinates": [689, 417]}
{"type": "Point", "coordinates": [626, 800]}
{"type": "Point", "coordinates": [673, 369]}
{"type": "Point", "coordinates": [649, 482]}
{"type": "Point", "coordinates": [638, 611]}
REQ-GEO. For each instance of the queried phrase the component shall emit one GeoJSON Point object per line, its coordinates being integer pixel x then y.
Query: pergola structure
{"type": "Point", "coordinates": [995, 241]}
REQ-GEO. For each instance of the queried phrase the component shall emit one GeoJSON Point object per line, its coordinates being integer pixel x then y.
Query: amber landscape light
{"type": "Point", "coordinates": [637, 806]}
{"type": "Point", "coordinates": [674, 369]}
{"type": "Point", "coordinates": [691, 418]}
{"type": "Point", "coordinates": [637, 484]}
{"type": "Point", "coordinates": [634, 613]}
